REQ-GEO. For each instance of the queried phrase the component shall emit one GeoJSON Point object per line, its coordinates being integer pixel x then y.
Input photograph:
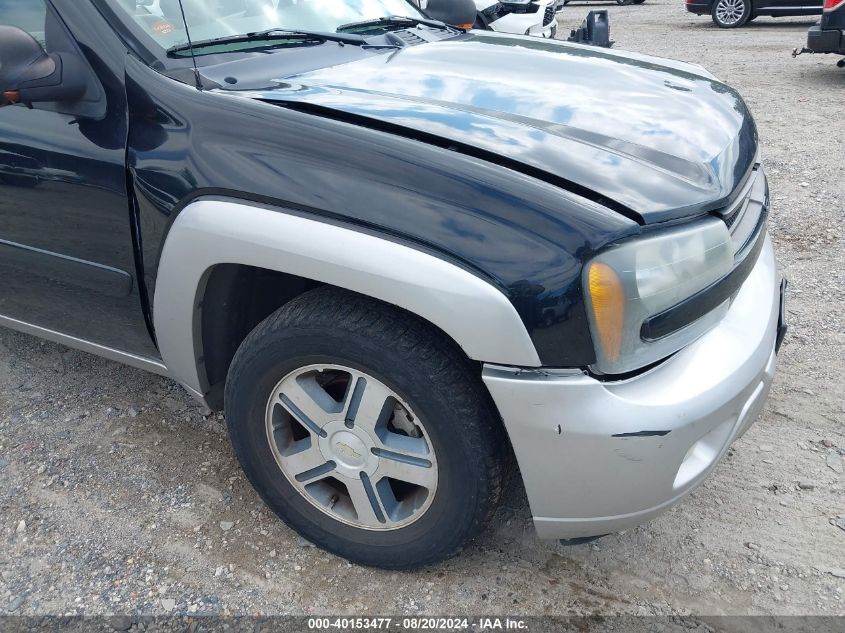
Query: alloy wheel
{"type": "Point", "coordinates": [730, 12]}
{"type": "Point", "coordinates": [352, 447]}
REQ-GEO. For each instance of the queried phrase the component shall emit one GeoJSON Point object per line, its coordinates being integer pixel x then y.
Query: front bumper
{"type": "Point", "coordinates": [821, 40]}
{"type": "Point", "coordinates": [598, 457]}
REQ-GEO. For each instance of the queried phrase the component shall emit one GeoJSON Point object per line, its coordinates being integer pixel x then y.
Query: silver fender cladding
{"type": "Point", "coordinates": [213, 231]}
{"type": "Point", "coordinates": [598, 457]}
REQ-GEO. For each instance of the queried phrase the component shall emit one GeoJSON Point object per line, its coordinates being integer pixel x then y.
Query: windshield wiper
{"type": "Point", "coordinates": [270, 35]}
{"type": "Point", "coordinates": [392, 20]}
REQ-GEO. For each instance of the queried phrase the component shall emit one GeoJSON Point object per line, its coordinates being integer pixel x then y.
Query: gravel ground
{"type": "Point", "coordinates": [118, 496]}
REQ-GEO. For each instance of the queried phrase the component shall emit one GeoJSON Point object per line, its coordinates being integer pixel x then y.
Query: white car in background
{"type": "Point", "coordinates": [523, 17]}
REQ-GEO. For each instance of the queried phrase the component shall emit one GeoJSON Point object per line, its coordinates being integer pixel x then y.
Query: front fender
{"type": "Point", "coordinates": [212, 231]}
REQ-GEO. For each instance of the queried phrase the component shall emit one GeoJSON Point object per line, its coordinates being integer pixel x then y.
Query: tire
{"type": "Point", "coordinates": [638, 1]}
{"type": "Point", "coordinates": [730, 14]}
{"type": "Point", "coordinates": [323, 342]}
{"type": "Point", "coordinates": [624, 3]}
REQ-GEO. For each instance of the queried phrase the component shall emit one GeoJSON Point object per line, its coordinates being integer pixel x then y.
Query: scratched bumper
{"type": "Point", "coordinates": [598, 457]}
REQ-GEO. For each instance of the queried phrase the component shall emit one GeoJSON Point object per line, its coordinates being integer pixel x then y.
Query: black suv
{"type": "Point", "coordinates": [397, 254]}
{"type": "Point", "coordinates": [730, 14]}
{"type": "Point", "coordinates": [828, 35]}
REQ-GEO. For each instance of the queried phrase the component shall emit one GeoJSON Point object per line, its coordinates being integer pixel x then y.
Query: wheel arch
{"type": "Point", "coordinates": [220, 252]}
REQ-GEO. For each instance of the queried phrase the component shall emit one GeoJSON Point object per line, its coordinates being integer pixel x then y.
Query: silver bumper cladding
{"type": "Point", "coordinates": [598, 457]}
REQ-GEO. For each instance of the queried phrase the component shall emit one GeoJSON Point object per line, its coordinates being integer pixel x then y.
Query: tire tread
{"type": "Point", "coordinates": [417, 341]}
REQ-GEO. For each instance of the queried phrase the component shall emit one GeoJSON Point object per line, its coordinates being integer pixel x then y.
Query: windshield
{"type": "Point", "coordinates": [210, 19]}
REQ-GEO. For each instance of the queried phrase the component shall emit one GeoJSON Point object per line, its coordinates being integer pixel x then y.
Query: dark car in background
{"type": "Point", "coordinates": [730, 14]}
{"type": "Point", "coordinates": [828, 34]}
{"type": "Point", "coordinates": [562, 3]}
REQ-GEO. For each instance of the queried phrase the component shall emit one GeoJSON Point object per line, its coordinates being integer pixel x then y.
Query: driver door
{"type": "Point", "coordinates": [67, 262]}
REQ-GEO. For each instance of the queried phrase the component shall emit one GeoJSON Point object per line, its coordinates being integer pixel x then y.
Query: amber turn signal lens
{"type": "Point", "coordinates": [607, 296]}
{"type": "Point", "coordinates": [465, 27]}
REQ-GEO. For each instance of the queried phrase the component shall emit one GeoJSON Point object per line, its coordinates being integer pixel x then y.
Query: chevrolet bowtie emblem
{"type": "Point", "coordinates": [347, 450]}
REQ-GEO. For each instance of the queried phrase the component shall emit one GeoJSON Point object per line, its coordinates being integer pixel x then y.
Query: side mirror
{"type": "Point", "coordinates": [29, 75]}
{"type": "Point", "coordinates": [460, 13]}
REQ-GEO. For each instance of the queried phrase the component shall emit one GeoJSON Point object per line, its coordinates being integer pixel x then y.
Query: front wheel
{"type": "Point", "coordinates": [624, 3]}
{"type": "Point", "coordinates": [730, 14]}
{"type": "Point", "coordinates": [365, 430]}
{"type": "Point", "coordinates": [638, 1]}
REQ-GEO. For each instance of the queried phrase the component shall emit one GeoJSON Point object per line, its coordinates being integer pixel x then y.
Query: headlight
{"type": "Point", "coordinates": [629, 283]}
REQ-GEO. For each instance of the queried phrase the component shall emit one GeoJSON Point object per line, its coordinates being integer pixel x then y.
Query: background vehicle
{"type": "Point", "coordinates": [392, 273]}
{"type": "Point", "coordinates": [521, 17]}
{"type": "Point", "coordinates": [828, 34]}
{"type": "Point", "coordinates": [559, 4]}
{"type": "Point", "coordinates": [461, 13]}
{"type": "Point", "coordinates": [730, 14]}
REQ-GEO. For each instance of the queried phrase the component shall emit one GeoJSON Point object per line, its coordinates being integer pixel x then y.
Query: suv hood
{"type": "Point", "coordinates": [660, 138]}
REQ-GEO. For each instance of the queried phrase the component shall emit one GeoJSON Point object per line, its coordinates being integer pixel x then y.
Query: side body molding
{"type": "Point", "coordinates": [214, 231]}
